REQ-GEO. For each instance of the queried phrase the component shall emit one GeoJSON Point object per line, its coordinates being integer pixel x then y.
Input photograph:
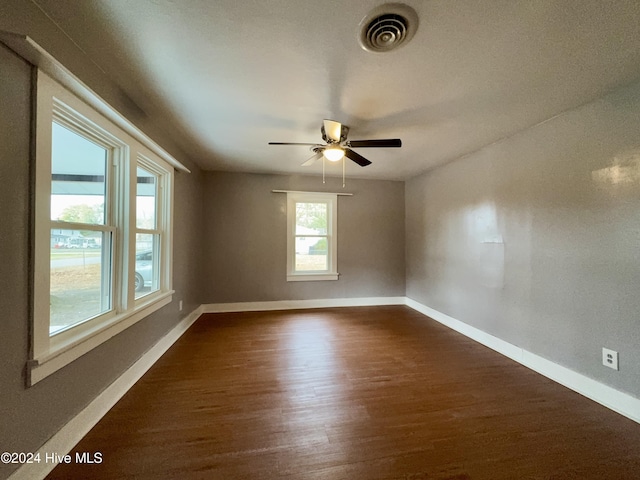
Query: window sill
{"type": "Point", "coordinates": [312, 277]}
{"type": "Point", "coordinates": [62, 353]}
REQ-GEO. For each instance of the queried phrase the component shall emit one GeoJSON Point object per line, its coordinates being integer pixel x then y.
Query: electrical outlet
{"type": "Point", "coordinates": [180, 305]}
{"type": "Point", "coordinates": [610, 358]}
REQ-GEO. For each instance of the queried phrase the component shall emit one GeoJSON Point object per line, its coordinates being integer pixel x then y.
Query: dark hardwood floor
{"type": "Point", "coordinates": [350, 393]}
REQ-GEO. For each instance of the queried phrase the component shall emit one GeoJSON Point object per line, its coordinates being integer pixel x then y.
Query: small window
{"type": "Point", "coordinates": [312, 236]}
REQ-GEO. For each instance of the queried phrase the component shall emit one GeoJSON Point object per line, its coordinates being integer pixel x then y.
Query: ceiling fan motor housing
{"type": "Point", "coordinates": [388, 27]}
{"type": "Point", "coordinates": [344, 131]}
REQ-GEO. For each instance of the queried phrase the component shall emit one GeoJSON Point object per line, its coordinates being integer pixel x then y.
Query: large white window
{"type": "Point", "coordinates": [102, 229]}
{"type": "Point", "coordinates": [312, 236]}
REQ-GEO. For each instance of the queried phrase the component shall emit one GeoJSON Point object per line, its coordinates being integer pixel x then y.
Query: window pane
{"type": "Point", "coordinates": [311, 218]}
{"type": "Point", "coordinates": [80, 280]}
{"type": "Point", "coordinates": [146, 199]}
{"type": "Point", "coordinates": [311, 254]}
{"type": "Point", "coordinates": [78, 172]}
{"type": "Point", "coordinates": [146, 276]}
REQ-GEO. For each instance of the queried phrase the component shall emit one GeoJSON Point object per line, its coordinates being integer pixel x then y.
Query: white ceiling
{"type": "Point", "coordinates": [225, 77]}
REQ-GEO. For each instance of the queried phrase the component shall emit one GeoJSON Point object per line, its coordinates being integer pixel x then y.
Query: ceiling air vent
{"type": "Point", "coordinates": [388, 27]}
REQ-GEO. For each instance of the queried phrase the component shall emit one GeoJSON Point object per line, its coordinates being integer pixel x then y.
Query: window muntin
{"type": "Point", "coordinates": [312, 236]}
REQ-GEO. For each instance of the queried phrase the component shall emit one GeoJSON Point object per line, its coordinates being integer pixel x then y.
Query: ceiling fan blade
{"type": "Point", "coordinates": [389, 142]}
{"type": "Point", "coordinates": [313, 159]}
{"type": "Point", "coordinates": [333, 130]}
{"type": "Point", "coordinates": [289, 143]}
{"type": "Point", "coordinates": [356, 157]}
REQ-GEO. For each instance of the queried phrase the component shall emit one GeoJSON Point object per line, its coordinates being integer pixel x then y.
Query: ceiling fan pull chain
{"type": "Point", "coordinates": [344, 166]}
{"type": "Point", "coordinates": [323, 169]}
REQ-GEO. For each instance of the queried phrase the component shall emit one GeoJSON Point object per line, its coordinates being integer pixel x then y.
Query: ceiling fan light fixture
{"type": "Point", "coordinates": [333, 154]}
{"type": "Point", "coordinates": [339, 148]}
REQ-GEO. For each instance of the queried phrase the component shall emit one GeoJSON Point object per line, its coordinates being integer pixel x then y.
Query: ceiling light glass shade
{"type": "Point", "coordinates": [333, 154]}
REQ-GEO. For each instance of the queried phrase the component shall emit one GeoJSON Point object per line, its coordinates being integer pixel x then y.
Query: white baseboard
{"type": "Point", "coordinates": [615, 400]}
{"type": "Point", "coordinates": [505, 348]}
{"type": "Point", "coordinates": [301, 304]}
{"type": "Point", "coordinates": [69, 435]}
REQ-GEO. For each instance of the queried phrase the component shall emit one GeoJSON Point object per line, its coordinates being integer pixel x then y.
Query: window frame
{"type": "Point", "coordinates": [162, 219]}
{"type": "Point", "coordinates": [67, 118]}
{"type": "Point", "coordinates": [50, 352]}
{"type": "Point", "coordinates": [331, 200]}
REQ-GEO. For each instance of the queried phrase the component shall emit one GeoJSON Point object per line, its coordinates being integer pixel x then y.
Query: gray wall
{"type": "Point", "coordinates": [245, 229]}
{"type": "Point", "coordinates": [30, 416]}
{"type": "Point", "coordinates": [536, 239]}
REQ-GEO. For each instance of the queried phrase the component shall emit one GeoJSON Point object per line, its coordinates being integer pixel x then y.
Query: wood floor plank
{"type": "Point", "coordinates": [350, 393]}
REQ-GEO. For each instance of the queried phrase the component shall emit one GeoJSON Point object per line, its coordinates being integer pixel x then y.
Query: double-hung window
{"type": "Point", "coordinates": [152, 215]}
{"type": "Point", "coordinates": [312, 237]}
{"type": "Point", "coordinates": [81, 221]}
{"type": "Point", "coordinates": [102, 229]}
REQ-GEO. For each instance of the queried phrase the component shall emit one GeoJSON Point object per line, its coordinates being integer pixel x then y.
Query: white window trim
{"type": "Point", "coordinates": [63, 115]}
{"type": "Point", "coordinates": [50, 353]}
{"type": "Point", "coordinates": [331, 199]}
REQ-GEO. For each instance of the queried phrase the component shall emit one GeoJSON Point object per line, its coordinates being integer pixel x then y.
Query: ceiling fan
{"type": "Point", "coordinates": [337, 146]}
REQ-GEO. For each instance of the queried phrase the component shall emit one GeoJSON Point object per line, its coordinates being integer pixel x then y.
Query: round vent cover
{"type": "Point", "coordinates": [388, 27]}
